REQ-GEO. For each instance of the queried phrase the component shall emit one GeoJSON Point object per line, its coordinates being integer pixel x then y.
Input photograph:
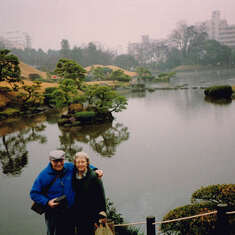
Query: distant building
{"type": "Point", "coordinates": [15, 39]}
{"type": "Point", "coordinates": [148, 50]}
{"type": "Point", "coordinates": [220, 30]}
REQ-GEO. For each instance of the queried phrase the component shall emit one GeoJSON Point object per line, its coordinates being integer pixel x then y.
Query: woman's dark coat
{"type": "Point", "coordinates": [89, 197]}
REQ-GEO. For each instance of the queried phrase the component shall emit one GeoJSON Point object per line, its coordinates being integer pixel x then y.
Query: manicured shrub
{"type": "Point", "coordinates": [85, 117]}
{"type": "Point", "coordinates": [203, 200]}
{"type": "Point", "coordinates": [219, 92]}
{"type": "Point", "coordinates": [162, 75]}
{"type": "Point", "coordinates": [85, 114]}
{"type": "Point", "coordinates": [34, 76]}
{"type": "Point", "coordinates": [219, 193]}
{"type": "Point", "coordinates": [123, 79]}
{"type": "Point", "coordinates": [200, 225]}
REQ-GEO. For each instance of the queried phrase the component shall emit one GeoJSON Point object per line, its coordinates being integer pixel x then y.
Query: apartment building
{"type": "Point", "coordinates": [15, 39]}
{"type": "Point", "coordinates": [220, 30]}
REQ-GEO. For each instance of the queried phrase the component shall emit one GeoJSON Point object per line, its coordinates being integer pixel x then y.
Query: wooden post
{"type": "Point", "coordinates": [150, 226]}
{"type": "Point", "coordinates": [222, 225]}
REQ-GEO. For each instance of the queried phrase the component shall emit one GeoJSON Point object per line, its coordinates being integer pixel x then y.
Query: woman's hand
{"type": "Point", "coordinates": [100, 173]}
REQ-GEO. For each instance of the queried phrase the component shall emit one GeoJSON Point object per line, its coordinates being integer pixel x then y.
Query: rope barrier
{"type": "Point", "coordinates": [175, 220]}
{"type": "Point", "coordinates": [230, 212]}
{"type": "Point", "coordinates": [186, 218]}
{"type": "Point", "coordinates": [120, 225]}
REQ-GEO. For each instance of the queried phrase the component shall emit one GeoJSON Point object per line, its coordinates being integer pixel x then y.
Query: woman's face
{"type": "Point", "coordinates": [81, 164]}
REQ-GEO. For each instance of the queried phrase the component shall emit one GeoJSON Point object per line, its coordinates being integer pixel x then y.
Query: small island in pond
{"type": "Point", "coordinates": [79, 103]}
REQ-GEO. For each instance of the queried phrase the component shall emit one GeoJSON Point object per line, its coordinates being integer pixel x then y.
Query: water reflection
{"type": "Point", "coordinates": [12, 125]}
{"type": "Point", "coordinates": [218, 101]}
{"type": "Point", "coordinates": [13, 148]}
{"type": "Point", "coordinates": [139, 94]}
{"type": "Point", "coordinates": [103, 139]}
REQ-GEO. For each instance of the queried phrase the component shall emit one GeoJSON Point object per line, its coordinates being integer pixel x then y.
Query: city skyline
{"type": "Point", "coordinates": [113, 23]}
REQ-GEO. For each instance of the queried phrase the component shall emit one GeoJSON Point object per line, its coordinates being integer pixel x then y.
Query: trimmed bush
{"type": "Point", "coordinates": [203, 200]}
{"type": "Point", "coordinates": [85, 117]}
{"type": "Point", "coordinates": [219, 193]}
{"type": "Point", "coordinates": [34, 76]}
{"type": "Point", "coordinates": [123, 79]}
{"type": "Point", "coordinates": [219, 92]}
{"type": "Point", "coordinates": [162, 75]}
{"type": "Point", "coordinates": [200, 225]}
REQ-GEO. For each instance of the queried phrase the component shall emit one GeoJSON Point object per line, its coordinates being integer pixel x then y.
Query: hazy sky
{"type": "Point", "coordinates": [112, 22]}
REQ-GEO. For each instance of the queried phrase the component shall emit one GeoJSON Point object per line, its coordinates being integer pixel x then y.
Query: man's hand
{"type": "Point", "coordinates": [52, 203]}
{"type": "Point", "coordinates": [100, 173]}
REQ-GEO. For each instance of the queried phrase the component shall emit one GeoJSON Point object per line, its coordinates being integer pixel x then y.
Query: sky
{"type": "Point", "coordinates": [113, 23]}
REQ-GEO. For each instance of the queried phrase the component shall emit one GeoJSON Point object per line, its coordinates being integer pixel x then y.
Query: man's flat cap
{"type": "Point", "coordinates": [56, 155]}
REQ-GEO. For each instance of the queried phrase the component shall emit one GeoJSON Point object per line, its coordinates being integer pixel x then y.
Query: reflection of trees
{"type": "Point", "coordinates": [107, 142]}
{"type": "Point", "coordinates": [103, 139]}
{"type": "Point", "coordinates": [13, 152]}
{"type": "Point", "coordinates": [139, 94]}
{"type": "Point", "coordinates": [68, 145]}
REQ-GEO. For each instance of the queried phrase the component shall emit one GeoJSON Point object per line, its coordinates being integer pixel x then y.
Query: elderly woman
{"type": "Point", "coordinates": [89, 195]}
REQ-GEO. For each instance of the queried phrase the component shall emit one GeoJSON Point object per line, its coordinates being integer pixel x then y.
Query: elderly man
{"type": "Point", "coordinates": [58, 177]}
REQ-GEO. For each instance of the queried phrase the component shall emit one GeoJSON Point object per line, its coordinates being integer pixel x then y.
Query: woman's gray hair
{"type": "Point", "coordinates": [82, 154]}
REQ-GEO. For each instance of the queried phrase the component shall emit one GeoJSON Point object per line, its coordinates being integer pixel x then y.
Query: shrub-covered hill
{"type": "Point", "coordinates": [113, 67]}
{"type": "Point", "coordinates": [4, 100]}
{"type": "Point", "coordinates": [28, 69]}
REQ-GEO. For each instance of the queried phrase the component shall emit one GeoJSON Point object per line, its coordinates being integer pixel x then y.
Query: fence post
{"type": "Point", "coordinates": [150, 226]}
{"type": "Point", "coordinates": [222, 225]}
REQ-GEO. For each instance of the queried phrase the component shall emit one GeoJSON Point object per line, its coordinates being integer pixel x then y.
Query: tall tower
{"type": "Point", "coordinates": [28, 41]}
{"type": "Point", "coordinates": [214, 25]}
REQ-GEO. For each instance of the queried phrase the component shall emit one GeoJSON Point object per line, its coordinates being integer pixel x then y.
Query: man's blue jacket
{"type": "Point", "coordinates": [62, 185]}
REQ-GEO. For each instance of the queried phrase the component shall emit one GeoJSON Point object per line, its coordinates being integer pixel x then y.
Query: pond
{"type": "Point", "coordinates": [164, 146]}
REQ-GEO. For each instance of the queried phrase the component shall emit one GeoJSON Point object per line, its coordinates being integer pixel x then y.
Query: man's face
{"type": "Point", "coordinates": [57, 165]}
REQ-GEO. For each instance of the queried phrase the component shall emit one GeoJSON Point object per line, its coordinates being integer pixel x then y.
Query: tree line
{"type": "Point", "coordinates": [46, 61]}
{"type": "Point", "coordinates": [186, 45]}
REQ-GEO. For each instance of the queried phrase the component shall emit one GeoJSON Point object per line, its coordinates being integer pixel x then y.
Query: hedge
{"type": "Point", "coordinates": [219, 92]}
{"type": "Point", "coordinates": [85, 117]}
